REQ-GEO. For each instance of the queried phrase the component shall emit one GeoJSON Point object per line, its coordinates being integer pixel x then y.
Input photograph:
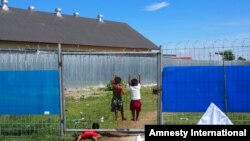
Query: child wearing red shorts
{"type": "Point", "coordinates": [135, 102]}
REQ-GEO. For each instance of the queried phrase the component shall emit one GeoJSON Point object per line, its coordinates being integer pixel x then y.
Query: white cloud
{"type": "Point", "coordinates": [156, 6]}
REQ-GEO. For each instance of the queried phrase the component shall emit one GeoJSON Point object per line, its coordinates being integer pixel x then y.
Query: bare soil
{"type": "Point", "coordinates": [145, 118]}
{"type": "Point", "coordinates": [149, 118]}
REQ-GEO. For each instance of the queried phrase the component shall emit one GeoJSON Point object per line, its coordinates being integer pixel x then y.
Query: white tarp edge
{"type": "Point", "coordinates": [214, 116]}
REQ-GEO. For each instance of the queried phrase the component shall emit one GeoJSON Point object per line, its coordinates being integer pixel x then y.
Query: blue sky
{"type": "Point", "coordinates": [162, 21]}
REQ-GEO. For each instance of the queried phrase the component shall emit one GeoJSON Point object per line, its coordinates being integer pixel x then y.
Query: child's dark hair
{"type": "Point", "coordinates": [134, 82]}
{"type": "Point", "coordinates": [117, 80]}
{"type": "Point", "coordinates": [95, 125]}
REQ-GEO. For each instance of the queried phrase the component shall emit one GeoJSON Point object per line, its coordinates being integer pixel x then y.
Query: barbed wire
{"type": "Point", "coordinates": [217, 43]}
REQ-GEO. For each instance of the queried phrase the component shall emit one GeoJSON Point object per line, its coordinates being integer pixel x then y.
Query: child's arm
{"type": "Point", "coordinates": [122, 90]}
{"type": "Point", "coordinates": [139, 78]}
{"type": "Point", "coordinates": [97, 137]}
{"type": "Point", "coordinates": [79, 138]}
{"type": "Point", "coordinates": [113, 79]}
{"type": "Point", "coordinates": [129, 79]}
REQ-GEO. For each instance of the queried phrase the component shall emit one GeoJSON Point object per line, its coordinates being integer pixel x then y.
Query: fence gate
{"type": "Point", "coordinates": [87, 89]}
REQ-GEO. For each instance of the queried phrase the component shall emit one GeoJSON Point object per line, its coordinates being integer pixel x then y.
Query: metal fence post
{"type": "Point", "coordinates": [159, 86]}
{"type": "Point", "coordinates": [62, 114]}
{"type": "Point", "coordinates": [224, 79]}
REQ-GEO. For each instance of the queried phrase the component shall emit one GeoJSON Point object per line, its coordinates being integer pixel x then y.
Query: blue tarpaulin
{"type": "Point", "coordinates": [238, 88]}
{"type": "Point", "coordinates": [193, 88]}
{"type": "Point", "coordinates": [29, 92]}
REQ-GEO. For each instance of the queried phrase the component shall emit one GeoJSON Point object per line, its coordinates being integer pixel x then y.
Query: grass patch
{"type": "Point", "coordinates": [193, 118]}
{"type": "Point", "coordinates": [81, 113]}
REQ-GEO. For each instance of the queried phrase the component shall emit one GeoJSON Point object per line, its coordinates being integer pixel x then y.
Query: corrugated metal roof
{"type": "Point", "coordinates": [34, 26]}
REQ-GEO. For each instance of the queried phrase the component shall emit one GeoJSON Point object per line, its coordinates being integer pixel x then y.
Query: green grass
{"type": "Point", "coordinates": [83, 112]}
{"type": "Point", "coordinates": [79, 114]}
{"type": "Point", "coordinates": [193, 118]}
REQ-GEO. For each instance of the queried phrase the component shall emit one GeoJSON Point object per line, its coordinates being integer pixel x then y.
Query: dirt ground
{"type": "Point", "coordinates": [129, 138]}
{"type": "Point", "coordinates": [149, 119]}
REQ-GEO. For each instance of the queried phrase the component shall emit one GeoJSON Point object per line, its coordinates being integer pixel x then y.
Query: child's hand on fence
{"type": "Point", "coordinates": [129, 76]}
{"type": "Point", "coordinates": [139, 78]}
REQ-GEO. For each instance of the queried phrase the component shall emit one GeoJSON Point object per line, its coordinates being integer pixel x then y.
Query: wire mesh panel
{"type": "Point", "coordinates": [96, 69]}
{"type": "Point", "coordinates": [88, 88]}
{"type": "Point", "coordinates": [197, 74]}
{"type": "Point", "coordinates": [29, 94]}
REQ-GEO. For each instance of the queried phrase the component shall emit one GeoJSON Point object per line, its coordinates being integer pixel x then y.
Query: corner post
{"type": "Point", "coordinates": [62, 114]}
{"type": "Point", "coordinates": [159, 86]}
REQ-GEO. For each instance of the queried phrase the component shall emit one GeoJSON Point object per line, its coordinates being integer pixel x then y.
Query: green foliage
{"type": "Point", "coordinates": [227, 55]}
{"type": "Point", "coordinates": [110, 88]}
{"type": "Point", "coordinates": [241, 59]}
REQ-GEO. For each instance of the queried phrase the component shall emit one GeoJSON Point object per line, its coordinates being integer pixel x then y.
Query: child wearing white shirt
{"type": "Point", "coordinates": [135, 92]}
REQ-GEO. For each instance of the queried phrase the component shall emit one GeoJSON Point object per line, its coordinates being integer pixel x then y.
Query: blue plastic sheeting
{"type": "Point", "coordinates": [192, 89]}
{"type": "Point", "coordinates": [29, 92]}
{"type": "Point", "coordinates": [238, 88]}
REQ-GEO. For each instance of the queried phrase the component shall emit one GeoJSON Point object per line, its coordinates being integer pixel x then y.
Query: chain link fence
{"type": "Point", "coordinates": [88, 91]}
{"type": "Point", "coordinates": [19, 91]}
{"type": "Point", "coordinates": [222, 53]}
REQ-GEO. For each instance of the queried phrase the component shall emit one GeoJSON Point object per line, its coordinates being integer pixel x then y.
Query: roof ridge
{"type": "Point", "coordinates": [63, 14]}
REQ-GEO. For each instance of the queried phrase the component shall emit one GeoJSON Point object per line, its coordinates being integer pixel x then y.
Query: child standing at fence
{"type": "Point", "coordinates": [135, 103]}
{"type": "Point", "coordinates": [117, 103]}
{"type": "Point", "coordinates": [90, 134]}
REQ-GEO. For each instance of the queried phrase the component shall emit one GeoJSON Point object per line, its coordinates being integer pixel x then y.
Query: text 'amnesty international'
{"type": "Point", "coordinates": [195, 133]}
